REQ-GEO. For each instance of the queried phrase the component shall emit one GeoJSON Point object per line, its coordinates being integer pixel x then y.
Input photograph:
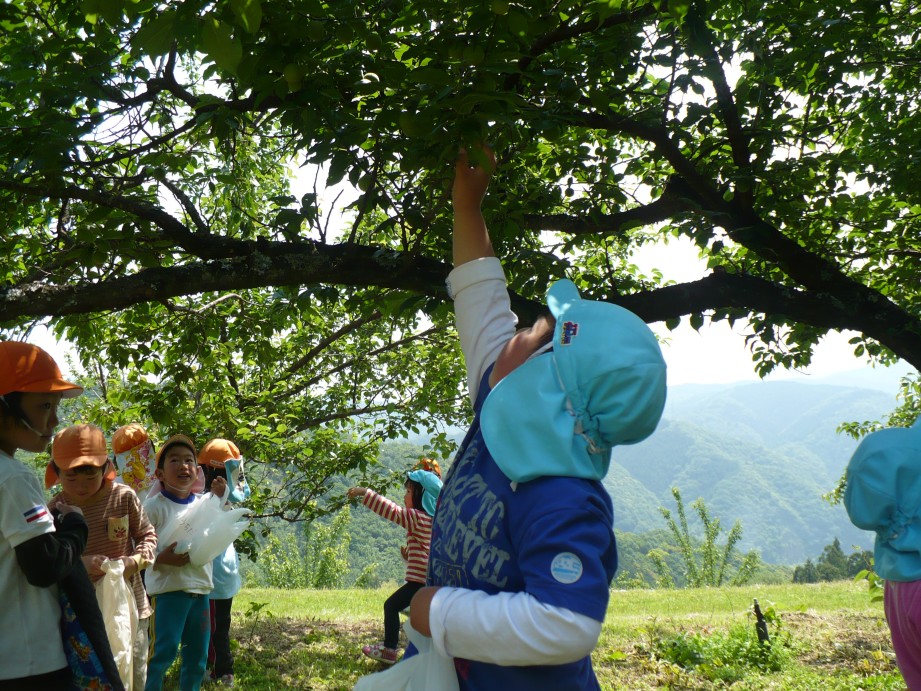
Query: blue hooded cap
{"type": "Point", "coordinates": [561, 413]}
{"type": "Point", "coordinates": [883, 494]}
{"type": "Point", "coordinates": [431, 487]}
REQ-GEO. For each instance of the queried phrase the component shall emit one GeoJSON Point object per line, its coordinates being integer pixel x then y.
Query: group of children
{"type": "Point", "coordinates": [509, 574]}
{"type": "Point", "coordinates": [50, 554]}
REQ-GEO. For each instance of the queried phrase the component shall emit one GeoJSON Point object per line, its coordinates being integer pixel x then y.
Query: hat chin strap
{"type": "Point", "coordinates": [22, 418]}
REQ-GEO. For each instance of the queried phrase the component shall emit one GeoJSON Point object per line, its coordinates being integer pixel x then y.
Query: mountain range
{"type": "Point", "coordinates": [761, 453]}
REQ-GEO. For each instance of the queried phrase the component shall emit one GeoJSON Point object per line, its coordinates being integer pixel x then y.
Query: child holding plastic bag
{"type": "Point", "coordinates": [523, 548]}
{"type": "Point", "coordinates": [221, 458]}
{"type": "Point", "coordinates": [118, 529]}
{"type": "Point", "coordinates": [178, 588]}
{"type": "Point", "coordinates": [422, 488]}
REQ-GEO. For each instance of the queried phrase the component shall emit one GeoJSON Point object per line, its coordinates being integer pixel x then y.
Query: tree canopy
{"type": "Point", "coordinates": [147, 213]}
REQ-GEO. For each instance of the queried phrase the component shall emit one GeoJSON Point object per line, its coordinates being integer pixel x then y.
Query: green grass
{"type": "Point", "coordinates": [826, 636]}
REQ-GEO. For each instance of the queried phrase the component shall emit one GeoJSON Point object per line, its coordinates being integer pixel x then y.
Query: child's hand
{"type": "Point", "coordinates": [404, 552]}
{"type": "Point", "coordinates": [470, 183]}
{"type": "Point", "coordinates": [355, 492]}
{"type": "Point", "coordinates": [64, 509]}
{"type": "Point", "coordinates": [419, 609]}
{"type": "Point", "coordinates": [218, 486]}
{"type": "Point", "coordinates": [93, 564]}
{"type": "Point", "coordinates": [170, 558]}
{"type": "Point", "coordinates": [131, 566]}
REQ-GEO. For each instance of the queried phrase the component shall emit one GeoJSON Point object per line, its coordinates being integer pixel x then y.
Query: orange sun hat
{"type": "Point", "coordinates": [76, 446]}
{"type": "Point", "coordinates": [217, 452]}
{"type": "Point", "coordinates": [129, 436]}
{"type": "Point", "coordinates": [27, 368]}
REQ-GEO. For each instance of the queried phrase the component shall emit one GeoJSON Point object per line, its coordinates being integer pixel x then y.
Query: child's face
{"type": "Point", "coordinates": [81, 483]}
{"type": "Point", "coordinates": [41, 411]}
{"type": "Point", "coordinates": [520, 347]}
{"type": "Point", "coordinates": [408, 498]}
{"type": "Point", "coordinates": [179, 470]}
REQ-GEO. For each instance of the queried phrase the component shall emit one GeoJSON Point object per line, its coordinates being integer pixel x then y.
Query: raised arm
{"type": "Point", "coordinates": [471, 237]}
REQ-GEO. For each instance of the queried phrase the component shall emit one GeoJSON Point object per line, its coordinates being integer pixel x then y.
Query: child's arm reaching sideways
{"type": "Point", "coordinates": [382, 506]}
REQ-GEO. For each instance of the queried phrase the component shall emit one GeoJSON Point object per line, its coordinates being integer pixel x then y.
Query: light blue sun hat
{"type": "Point", "coordinates": [431, 487]}
{"type": "Point", "coordinates": [883, 494]}
{"type": "Point", "coordinates": [601, 385]}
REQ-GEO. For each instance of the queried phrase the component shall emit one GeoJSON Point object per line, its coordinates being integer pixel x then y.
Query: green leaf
{"type": "Point", "coordinates": [248, 13]}
{"type": "Point", "coordinates": [157, 35]}
{"type": "Point", "coordinates": [697, 321]}
{"type": "Point", "coordinates": [220, 45]}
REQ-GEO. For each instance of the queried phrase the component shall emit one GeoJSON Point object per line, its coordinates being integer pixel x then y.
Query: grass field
{"type": "Point", "coordinates": [825, 636]}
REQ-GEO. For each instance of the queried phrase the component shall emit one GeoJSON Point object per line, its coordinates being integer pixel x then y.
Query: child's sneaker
{"type": "Point", "coordinates": [226, 680]}
{"type": "Point", "coordinates": [378, 652]}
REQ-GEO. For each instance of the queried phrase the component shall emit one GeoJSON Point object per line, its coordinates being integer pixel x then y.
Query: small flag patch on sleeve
{"type": "Point", "coordinates": [36, 513]}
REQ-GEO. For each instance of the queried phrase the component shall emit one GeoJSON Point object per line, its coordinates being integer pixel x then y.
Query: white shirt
{"type": "Point", "coordinates": [161, 578]}
{"type": "Point", "coordinates": [30, 630]}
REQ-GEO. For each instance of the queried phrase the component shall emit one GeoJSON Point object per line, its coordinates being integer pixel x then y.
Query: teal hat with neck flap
{"type": "Point", "coordinates": [883, 494]}
{"type": "Point", "coordinates": [431, 487]}
{"type": "Point", "coordinates": [560, 413]}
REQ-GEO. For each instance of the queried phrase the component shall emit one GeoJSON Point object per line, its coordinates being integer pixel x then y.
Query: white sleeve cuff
{"type": "Point", "coordinates": [475, 271]}
{"type": "Point", "coordinates": [510, 629]}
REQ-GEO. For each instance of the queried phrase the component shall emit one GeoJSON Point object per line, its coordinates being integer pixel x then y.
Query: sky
{"type": "Point", "coordinates": [717, 353]}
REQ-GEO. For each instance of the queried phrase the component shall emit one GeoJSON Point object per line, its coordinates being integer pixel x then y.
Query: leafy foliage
{"type": "Point", "coordinates": [833, 565]}
{"type": "Point", "coordinates": [726, 656]}
{"type": "Point", "coordinates": [149, 211]}
{"type": "Point", "coordinates": [319, 561]}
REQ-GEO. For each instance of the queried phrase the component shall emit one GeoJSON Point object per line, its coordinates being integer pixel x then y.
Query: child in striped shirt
{"type": "Point", "coordinates": [422, 488]}
{"type": "Point", "coordinates": [118, 527]}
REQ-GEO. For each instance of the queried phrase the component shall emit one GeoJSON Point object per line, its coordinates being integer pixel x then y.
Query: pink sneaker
{"type": "Point", "coordinates": [378, 652]}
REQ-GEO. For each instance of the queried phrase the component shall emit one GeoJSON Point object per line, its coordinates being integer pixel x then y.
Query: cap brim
{"type": "Point", "coordinates": [65, 388]}
{"type": "Point", "coordinates": [52, 478]}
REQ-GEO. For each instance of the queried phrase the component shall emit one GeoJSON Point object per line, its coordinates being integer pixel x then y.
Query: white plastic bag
{"type": "Point", "coordinates": [427, 671]}
{"type": "Point", "coordinates": [120, 614]}
{"type": "Point", "coordinates": [204, 530]}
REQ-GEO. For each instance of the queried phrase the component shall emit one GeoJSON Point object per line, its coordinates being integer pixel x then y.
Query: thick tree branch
{"type": "Point", "coordinates": [268, 264]}
{"type": "Point", "coordinates": [361, 266]}
{"type": "Point", "coordinates": [664, 208]}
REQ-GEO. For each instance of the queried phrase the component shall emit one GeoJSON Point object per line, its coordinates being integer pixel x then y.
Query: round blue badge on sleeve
{"type": "Point", "coordinates": [566, 567]}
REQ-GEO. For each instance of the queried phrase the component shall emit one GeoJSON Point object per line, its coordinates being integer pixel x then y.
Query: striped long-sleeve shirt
{"type": "Point", "coordinates": [119, 528]}
{"type": "Point", "coordinates": [418, 526]}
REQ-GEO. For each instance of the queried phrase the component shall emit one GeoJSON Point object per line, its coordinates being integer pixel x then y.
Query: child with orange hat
{"type": "Point", "coordinates": [135, 458]}
{"type": "Point", "coordinates": [118, 527]}
{"type": "Point", "coordinates": [179, 589]}
{"type": "Point", "coordinates": [221, 458]}
{"type": "Point", "coordinates": [36, 552]}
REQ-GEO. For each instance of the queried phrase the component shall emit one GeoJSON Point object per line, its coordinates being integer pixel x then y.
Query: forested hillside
{"type": "Point", "coordinates": [761, 453]}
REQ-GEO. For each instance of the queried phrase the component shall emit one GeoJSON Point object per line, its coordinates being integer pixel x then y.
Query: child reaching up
{"type": "Point", "coordinates": [523, 548]}
{"type": "Point", "coordinates": [422, 488]}
{"type": "Point", "coordinates": [179, 590]}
